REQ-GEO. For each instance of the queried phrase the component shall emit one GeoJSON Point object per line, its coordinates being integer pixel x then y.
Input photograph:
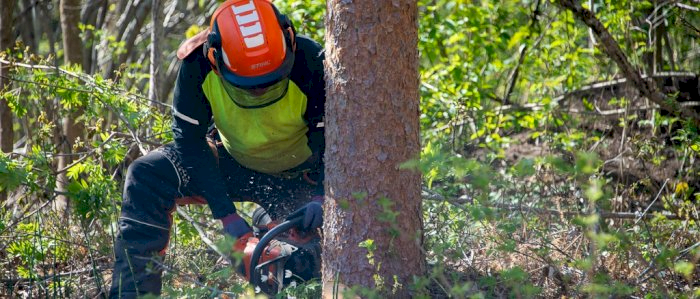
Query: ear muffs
{"type": "Point", "coordinates": [211, 47]}
{"type": "Point", "coordinates": [287, 28]}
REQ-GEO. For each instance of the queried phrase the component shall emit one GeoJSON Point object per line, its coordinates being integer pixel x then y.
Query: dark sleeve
{"type": "Point", "coordinates": [308, 74]}
{"type": "Point", "coordinates": [191, 115]}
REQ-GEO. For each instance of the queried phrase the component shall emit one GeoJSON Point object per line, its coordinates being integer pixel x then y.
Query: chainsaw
{"type": "Point", "coordinates": [283, 256]}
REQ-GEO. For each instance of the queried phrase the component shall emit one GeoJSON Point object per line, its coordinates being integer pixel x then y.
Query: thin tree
{"type": "Point", "coordinates": [6, 40]}
{"type": "Point", "coordinates": [72, 54]}
{"type": "Point", "coordinates": [156, 31]}
{"type": "Point", "coordinates": [373, 223]}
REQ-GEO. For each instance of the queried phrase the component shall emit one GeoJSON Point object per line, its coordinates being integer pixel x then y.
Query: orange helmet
{"type": "Point", "coordinates": [251, 47]}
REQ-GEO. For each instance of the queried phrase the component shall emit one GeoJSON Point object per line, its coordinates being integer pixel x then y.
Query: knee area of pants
{"type": "Point", "coordinates": [139, 170]}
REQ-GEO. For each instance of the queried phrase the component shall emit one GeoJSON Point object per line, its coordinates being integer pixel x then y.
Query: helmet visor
{"type": "Point", "coordinates": [256, 97]}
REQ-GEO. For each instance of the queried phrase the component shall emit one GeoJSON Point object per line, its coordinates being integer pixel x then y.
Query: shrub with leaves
{"type": "Point", "coordinates": [545, 173]}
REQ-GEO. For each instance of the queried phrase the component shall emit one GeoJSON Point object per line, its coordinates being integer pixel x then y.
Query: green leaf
{"type": "Point", "coordinates": [684, 268]}
{"type": "Point", "coordinates": [524, 167]}
{"type": "Point", "coordinates": [594, 192]}
{"type": "Point", "coordinates": [586, 220]}
{"type": "Point", "coordinates": [518, 37]}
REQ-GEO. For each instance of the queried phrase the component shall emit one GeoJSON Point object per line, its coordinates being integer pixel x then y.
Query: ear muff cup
{"type": "Point", "coordinates": [287, 28]}
{"type": "Point", "coordinates": [211, 47]}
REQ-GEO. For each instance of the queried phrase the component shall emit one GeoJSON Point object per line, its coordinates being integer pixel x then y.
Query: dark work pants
{"type": "Point", "coordinates": [154, 185]}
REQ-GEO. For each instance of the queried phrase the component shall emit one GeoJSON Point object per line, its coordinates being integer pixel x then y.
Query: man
{"type": "Point", "coordinates": [263, 85]}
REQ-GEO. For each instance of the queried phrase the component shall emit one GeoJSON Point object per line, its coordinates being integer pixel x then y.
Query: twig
{"type": "Point", "coordinates": [84, 78]}
{"type": "Point", "coordinates": [681, 254]}
{"type": "Point", "coordinates": [46, 84]}
{"type": "Point", "coordinates": [130, 128]}
{"type": "Point", "coordinates": [124, 135]}
{"type": "Point", "coordinates": [603, 215]}
{"type": "Point", "coordinates": [10, 282]}
{"type": "Point", "coordinates": [585, 89]}
{"type": "Point", "coordinates": [188, 277]}
{"type": "Point", "coordinates": [15, 235]}
{"type": "Point", "coordinates": [513, 78]}
{"type": "Point", "coordinates": [98, 278]}
{"type": "Point", "coordinates": [88, 154]}
{"type": "Point", "coordinates": [687, 250]}
{"type": "Point", "coordinates": [620, 81]}
{"type": "Point", "coordinates": [652, 203]}
{"type": "Point", "coordinates": [26, 216]}
{"type": "Point", "coordinates": [202, 235]}
{"type": "Point", "coordinates": [688, 7]}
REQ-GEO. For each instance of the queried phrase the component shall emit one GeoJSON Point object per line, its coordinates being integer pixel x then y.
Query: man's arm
{"type": "Point", "coordinates": [191, 115]}
{"type": "Point", "coordinates": [308, 74]}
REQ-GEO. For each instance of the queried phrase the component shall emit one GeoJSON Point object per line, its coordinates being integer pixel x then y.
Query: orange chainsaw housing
{"type": "Point", "coordinates": [275, 249]}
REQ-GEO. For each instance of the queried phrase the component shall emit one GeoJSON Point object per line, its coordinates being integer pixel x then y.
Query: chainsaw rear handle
{"type": "Point", "coordinates": [265, 240]}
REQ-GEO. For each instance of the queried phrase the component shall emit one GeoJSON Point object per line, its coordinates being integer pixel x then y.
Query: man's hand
{"type": "Point", "coordinates": [236, 226]}
{"type": "Point", "coordinates": [312, 212]}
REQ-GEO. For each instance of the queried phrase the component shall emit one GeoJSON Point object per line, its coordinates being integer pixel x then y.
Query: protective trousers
{"type": "Point", "coordinates": [155, 184]}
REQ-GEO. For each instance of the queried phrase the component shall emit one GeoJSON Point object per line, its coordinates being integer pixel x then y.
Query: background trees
{"type": "Point", "coordinates": [545, 171]}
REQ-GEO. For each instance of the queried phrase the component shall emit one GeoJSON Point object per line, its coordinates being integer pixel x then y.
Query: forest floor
{"type": "Point", "coordinates": [620, 254]}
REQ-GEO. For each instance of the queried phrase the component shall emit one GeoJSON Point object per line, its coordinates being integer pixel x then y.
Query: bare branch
{"type": "Point", "coordinates": [513, 78]}
{"type": "Point", "coordinates": [202, 235]}
{"type": "Point", "coordinates": [610, 46]}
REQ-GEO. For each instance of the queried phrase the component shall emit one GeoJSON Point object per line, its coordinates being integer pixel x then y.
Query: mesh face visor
{"type": "Point", "coordinates": [257, 97]}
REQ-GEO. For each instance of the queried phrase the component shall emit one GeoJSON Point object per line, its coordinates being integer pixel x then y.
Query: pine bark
{"type": "Point", "coordinates": [372, 127]}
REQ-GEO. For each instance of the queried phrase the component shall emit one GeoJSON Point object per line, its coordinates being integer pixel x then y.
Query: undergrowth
{"type": "Point", "coordinates": [534, 192]}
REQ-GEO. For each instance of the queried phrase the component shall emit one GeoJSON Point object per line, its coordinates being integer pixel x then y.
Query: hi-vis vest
{"type": "Point", "coordinates": [271, 139]}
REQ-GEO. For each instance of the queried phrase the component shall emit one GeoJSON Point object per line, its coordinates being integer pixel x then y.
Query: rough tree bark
{"type": "Point", "coordinates": [610, 46]}
{"type": "Point", "coordinates": [372, 127]}
{"type": "Point", "coordinates": [72, 54]}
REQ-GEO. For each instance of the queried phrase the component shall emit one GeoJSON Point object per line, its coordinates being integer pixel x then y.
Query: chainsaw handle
{"type": "Point", "coordinates": [264, 241]}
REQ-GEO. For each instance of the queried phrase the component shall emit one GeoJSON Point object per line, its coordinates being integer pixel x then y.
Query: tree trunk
{"type": "Point", "coordinates": [91, 14]}
{"type": "Point", "coordinates": [129, 31]}
{"type": "Point", "coordinates": [72, 54]}
{"type": "Point", "coordinates": [372, 127]}
{"type": "Point", "coordinates": [27, 30]}
{"type": "Point", "coordinates": [156, 31]}
{"type": "Point", "coordinates": [6, 41]}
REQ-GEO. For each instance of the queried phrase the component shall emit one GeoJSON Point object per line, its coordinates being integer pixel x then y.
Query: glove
{"type": "Point", "coordinates": [235, 226]}
{"type": "Point", "coordinates": [312, 212]}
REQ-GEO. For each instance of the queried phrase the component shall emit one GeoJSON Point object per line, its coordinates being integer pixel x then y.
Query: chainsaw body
{"type": "Point", "coordinates": [283, 256]}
